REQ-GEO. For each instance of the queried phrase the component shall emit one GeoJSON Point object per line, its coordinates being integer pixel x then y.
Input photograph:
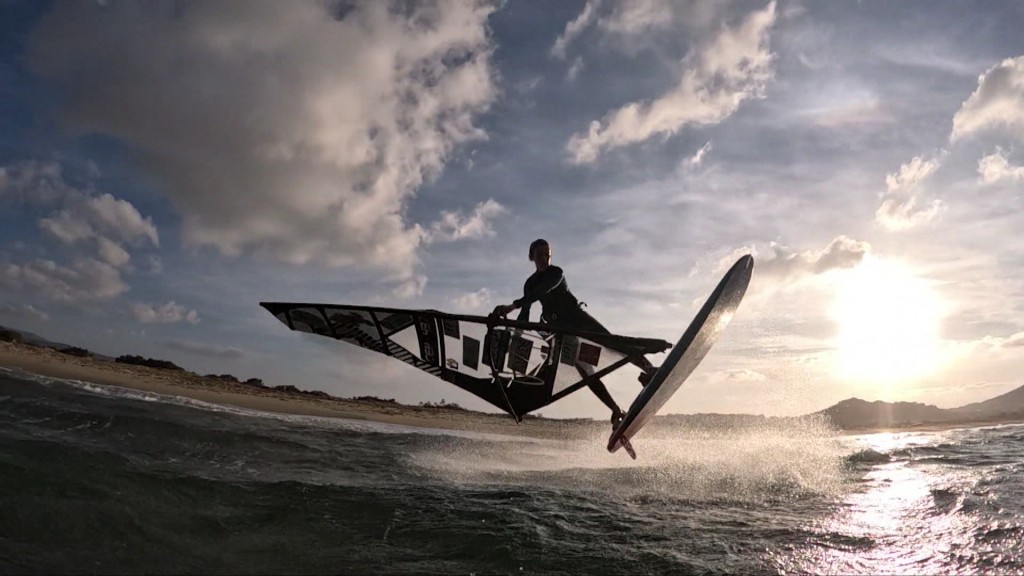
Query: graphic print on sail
{"type": "Point", "coordinates": [518, 367]}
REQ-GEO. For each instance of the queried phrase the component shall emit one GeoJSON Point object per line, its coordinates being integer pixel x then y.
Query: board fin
{"type": "Point", "coordinates": [624, 442]}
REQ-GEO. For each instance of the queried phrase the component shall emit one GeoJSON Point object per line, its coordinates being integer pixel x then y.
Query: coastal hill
{"type": "Point", "coordinates": [849, 414]}
{"type": "Point", "coordinates": [1009, 405]}
{"type": "Point", "coordinates": [855, 413]}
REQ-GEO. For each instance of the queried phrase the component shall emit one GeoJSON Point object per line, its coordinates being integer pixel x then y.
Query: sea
{"type": "Point", "coordinates": [105, 480]}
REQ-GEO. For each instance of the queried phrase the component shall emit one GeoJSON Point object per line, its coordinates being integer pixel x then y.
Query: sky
{"type": "Point", "coordinates": [166, 166]}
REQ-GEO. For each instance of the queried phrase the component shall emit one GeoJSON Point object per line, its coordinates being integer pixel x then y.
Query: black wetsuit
{"type": "Point", "coordinates": [560, 307]}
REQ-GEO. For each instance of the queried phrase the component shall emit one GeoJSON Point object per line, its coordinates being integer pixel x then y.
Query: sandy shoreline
{"type": "Point", "coordinates": [49, 362]}
{"type": "Point", "coordinates": [52, 363]}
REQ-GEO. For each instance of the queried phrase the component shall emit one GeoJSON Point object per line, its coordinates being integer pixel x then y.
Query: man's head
{"type": "Point", "coordinates": [540, 251]}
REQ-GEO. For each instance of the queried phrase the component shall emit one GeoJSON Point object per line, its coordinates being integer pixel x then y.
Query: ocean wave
{"type": "Point", "coordinates": [868, 456]}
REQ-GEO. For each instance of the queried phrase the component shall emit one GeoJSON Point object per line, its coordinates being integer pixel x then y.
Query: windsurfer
{"type": "Point", "coordinates": [560, 307]}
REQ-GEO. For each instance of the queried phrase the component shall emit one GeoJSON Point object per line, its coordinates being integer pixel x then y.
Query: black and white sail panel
{"type": "Point", "coordinates": [516, 366]}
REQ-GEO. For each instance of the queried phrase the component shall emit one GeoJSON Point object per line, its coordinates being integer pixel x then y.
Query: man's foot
{"type": "Point", "coordinates": [617, 417]}
{"type": "Point", "coordinates": [646, 375]}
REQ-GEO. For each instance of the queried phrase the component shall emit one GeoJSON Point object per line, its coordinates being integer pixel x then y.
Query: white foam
{"type": "Point", "coordinates": [750, 464]}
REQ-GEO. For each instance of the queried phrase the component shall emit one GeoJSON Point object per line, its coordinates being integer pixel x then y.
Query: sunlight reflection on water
{"type": "Point", "coordinates": [908, 515]}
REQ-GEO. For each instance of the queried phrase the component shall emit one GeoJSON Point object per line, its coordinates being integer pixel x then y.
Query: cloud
{"type": "Point", "coordinates": [410, 287]}
{"type": "Point", "coordinates": [994, 343]}
{"type": "Point", "coordinates": [574, 28]}
{"type": "Point", "coordinates": [99, 223]}
{"type": "Point", "coordinates": [637, 17]}
{"type": "Point", "coordinates": [297, 130]}
{"type": "Point", "coordinates": [734, 66]}
{"type": "Point", "coordinates": [900, 208]}
{"type": "Point", "coordinates": [910, 174]}
{"type": "Point", "coordinates": [169, 313]}
{"type": "Point", "coordinates": [85, 280]}
{"type": "Point", "coordinates": [697, 158]}
{"type": "Point", "coordinates": [842, 253]}
{"type": "Point", "coordinates": [112, 253]}
{"type": "Point", "coordinates": [528, 85]}
{"type": "Point", "coordinates": [99, 219]}
{"type": "Point", "coordinates": [34, 183]}
{"type": "Point", "coordinates": [205, 349]}
{"type": "Point", "coordinates": [996, 167]}
{"type": "Point", "coordinates": [84, 220]}
{"type": "Point", "coordinates": [625, 21]}
{"type": "Point", "coordinates": [998, 101]}
{"type": "Point", "coordinates": [454, 226]}
{"type": "Point", "coordinates": [1014, 341]}
{"type": "Point", "coordinates": [843, 115]}
{"type": "Point", "coordinates": [575, 69]}
{"type": "Point", "coordinates": [23, 312]}
{"type": "Point", "coordinates": [745, 375]}
{"type": "Point", "coordinates": [474, 300]}
{"type": "Point", "coordinates": [119, 219]}
{"type": "Point", "coordinates": [785, 265]}
{"type": "Point", "coordinates": [67, 228]}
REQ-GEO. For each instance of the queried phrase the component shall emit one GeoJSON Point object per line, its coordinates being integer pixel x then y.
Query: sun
{"type": "Point", "coordinates": [888, 324]}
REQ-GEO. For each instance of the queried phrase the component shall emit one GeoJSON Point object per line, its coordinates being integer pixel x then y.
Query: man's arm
{"type": "Point", "coordinates": [503, 310]}
{"type": "Point", "coordinates": [551, 278]}
{"type": "Point", "coordinates": [524, 314]}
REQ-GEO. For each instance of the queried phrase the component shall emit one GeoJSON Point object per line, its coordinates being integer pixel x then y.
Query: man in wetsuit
{"type": "Point", "coordinates": [560, 308]}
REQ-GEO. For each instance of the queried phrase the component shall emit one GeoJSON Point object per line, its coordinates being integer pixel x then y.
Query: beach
{"type": "Point", "coordinates": [229, 391]}
{"type": "Point", "coordinates": [215, 390]}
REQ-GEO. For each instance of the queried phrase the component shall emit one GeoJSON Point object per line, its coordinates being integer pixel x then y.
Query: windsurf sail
{"type": "Point", "coordinates": [516, 366]}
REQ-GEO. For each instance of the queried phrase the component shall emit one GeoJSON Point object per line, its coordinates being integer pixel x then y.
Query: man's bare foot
{"type": "Point", "coordinates": [646, 375]}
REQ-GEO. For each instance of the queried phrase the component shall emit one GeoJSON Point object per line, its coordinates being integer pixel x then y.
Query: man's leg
{"type": "Point", "coordinates": [599, 390]}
